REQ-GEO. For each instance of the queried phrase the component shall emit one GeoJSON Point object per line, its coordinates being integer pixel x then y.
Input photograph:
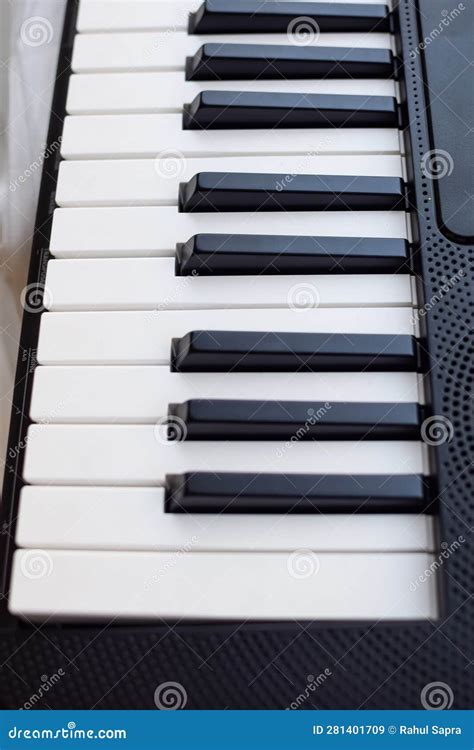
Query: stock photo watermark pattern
{"type": "Point", "coordinates": [178, 665]}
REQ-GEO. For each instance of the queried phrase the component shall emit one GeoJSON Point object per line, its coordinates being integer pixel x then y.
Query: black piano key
{"type": "Point", "coordinates": [295, 493]}
{"type": "Point", "coordinates": [242, 254]}
{"type": "Point", "coordinates": [255, 16]}
{"type": "Point", "coordinates": [276, 420]}
{"type": "Point", "coordinates": [220, 191]}
{"type": "Point", "coordinates": [225, 351]}
{"type": "Point", "coordinates": [233, 109]}
{"type": "Point", "coordinates": [273, 62]}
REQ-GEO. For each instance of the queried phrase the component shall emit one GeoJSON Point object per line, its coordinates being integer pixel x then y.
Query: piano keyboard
{"type": "Point", "coordinates": [227, 406]}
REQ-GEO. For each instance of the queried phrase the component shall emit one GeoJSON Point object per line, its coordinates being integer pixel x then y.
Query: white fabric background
{"type": "Point", "coordinates": [30, 34]}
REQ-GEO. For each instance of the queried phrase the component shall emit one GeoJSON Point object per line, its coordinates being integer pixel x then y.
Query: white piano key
{"type": "Point", "coordinates": [142, 15]}
{"type": "Point", "coordinates": [142, 394]}
{"type": "Point", "coordinates": [145, 182]}
{"type": "Point", "coordinates": [151, 283]}
{"type": "Point", "coordinates": [135, 15]}
{"type": "Point", "coordinates": [142, 338]}
{"type": "Point", "coordinates": [162, 50]}
{"type": "Point", "coordinates": [145, 136]}
{"type": "Point", "coordinates": [155, 231]}
{"type": "Point", "coordinates": [139, 455]}
{"type": "Point", "coordinates": [221, 586]}
{"type": "Point", "coordinates": [115, 93]}
{"type": "Point", "coordinates": [79, 518]}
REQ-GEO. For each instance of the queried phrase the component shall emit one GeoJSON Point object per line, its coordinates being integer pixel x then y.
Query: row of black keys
{"type": "Point", "coordinates": [220, 110]}
{"type": "Point", "coordinates": [223, 419]}
{"type": "Point", "coordinates": [206, 492]}
{"type": "Point", "coordinates": [257, 16]}
{"type": "Point", "coordinates": [227, 61]}
{"type": "Point", "coordinates": [227, 191]}
{"type": "Point", "coordinates": [247, 254]}
{"type": "Point", "coordinates": [255, 351]}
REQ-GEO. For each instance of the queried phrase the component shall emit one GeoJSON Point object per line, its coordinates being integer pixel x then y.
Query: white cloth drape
{"type": "Point", "coordinates": [30, 34]}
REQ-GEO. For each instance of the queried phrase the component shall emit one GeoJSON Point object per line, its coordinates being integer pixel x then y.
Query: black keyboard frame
{"type": "Point", "coordinates": [265, 665]}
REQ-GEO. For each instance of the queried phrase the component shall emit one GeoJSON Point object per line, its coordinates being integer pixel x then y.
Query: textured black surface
{"type": "Point", "coordinates": [248, 666]}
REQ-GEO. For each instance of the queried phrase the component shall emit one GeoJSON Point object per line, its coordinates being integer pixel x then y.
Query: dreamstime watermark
{"type": "Point", "coordinates": [313, 683]}
{"type": "Point", "coordinates": [437, 696]}
{"type": "Point", "coordinates": [446, 287]}
{"type": "Point", "coordinates": [437, 430]}
{"type": "Point", "coordinates": [303, 297]}
{"type": "Point", "coordinates": [35, 298]}
{"type": "Point", "coordinates": [448, 16]}
{"type": "Point", "coordinates": [170, 164]}
{"type": "Point", "coordinates": [437, 164]}
{"type": "Point", "coordinates": [170, 696]}
{"type": "Point", "coordinates": [36, 564]}
{"type": "Point", "coordinates": [35, 165]}
{"type": "Point", "coordinates": [170, 429]}
{"type": "Point", "coordinates": [303, 31]}
{"type": "Point", "coordinates": [172, 300]}
{"type": "Point", "coordinates": [15, 451]}
{"type": "Point", "coordinates": [46, 684]}
{"type": "Point", "coordinates": [171, 563]}
{"type": "Point", "coordinates": [314, 416]}
{"type": "Point", "coordinates": [287, 179]}
{"type": "Point", "coordinates": [445, 554]}
{"type": "Point", "coordinates": [36, 31]}
{"type": "Point", "coordinates": [303, 563]}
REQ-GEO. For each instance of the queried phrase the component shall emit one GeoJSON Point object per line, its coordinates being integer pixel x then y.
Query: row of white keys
{"type": "Point", "coordinates": [146, 182]}
{"type": "Point", "coordinates": [134, 15]}
{"type": "Point", "coordinates": [154, 231]}
{"type": "Point", "coordinates": [142, 15]}
{"type": "Point", "coordinates": [140, 455]}
{"type": "Point", "coordinates": [147, 136]}
{"type": "Point", "coordinates": [134, 394]}
{"type": "Point", "coordinates": [151, 283]}
{"type": "Point", "coordinates": [80, 518]}
{"type": "Point", "coordinates": [115, 93]}
{"type": "Point", "coordinates": [144, 338]}
{"type": "Point", "coordinates": [222, 586]}
{"type": "Point", "coordinates": [161, 50]}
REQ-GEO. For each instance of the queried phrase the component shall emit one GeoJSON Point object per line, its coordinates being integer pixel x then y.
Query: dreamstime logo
{"type": "Point", "coordinates": [46, 684]}
{"type": "Point", "coordinates": [437, 164]}
{"type": "Point", "coordinates": [36, 31]}
{"type": "Point", "coordinates": [303, 31]}
{"type": "Point", "coordinates": [303, 563]}
{"type": "Point", "coordinates": [437, 696]}
{"type": "Point", "coordinates": [447, 17]}
{"type": "Point", "coordinates": [446, 551]}
{"type": "Point", "coordinates": [313, 683]}
{"type": "Point", "coordinates": [36, 563]}
{"type": "Point", "coordinates": [437, 430]}
{"type": "Point", "coordinates": [35, 297]}
{"type": "Point", "coordinates": [170, 696]}
{"type": "Point", "coordinates": [303, 297]}
{"type": "Point", "coordinates": [170, 164]}
{"type": "Point", "coordinates": [170, 429]}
